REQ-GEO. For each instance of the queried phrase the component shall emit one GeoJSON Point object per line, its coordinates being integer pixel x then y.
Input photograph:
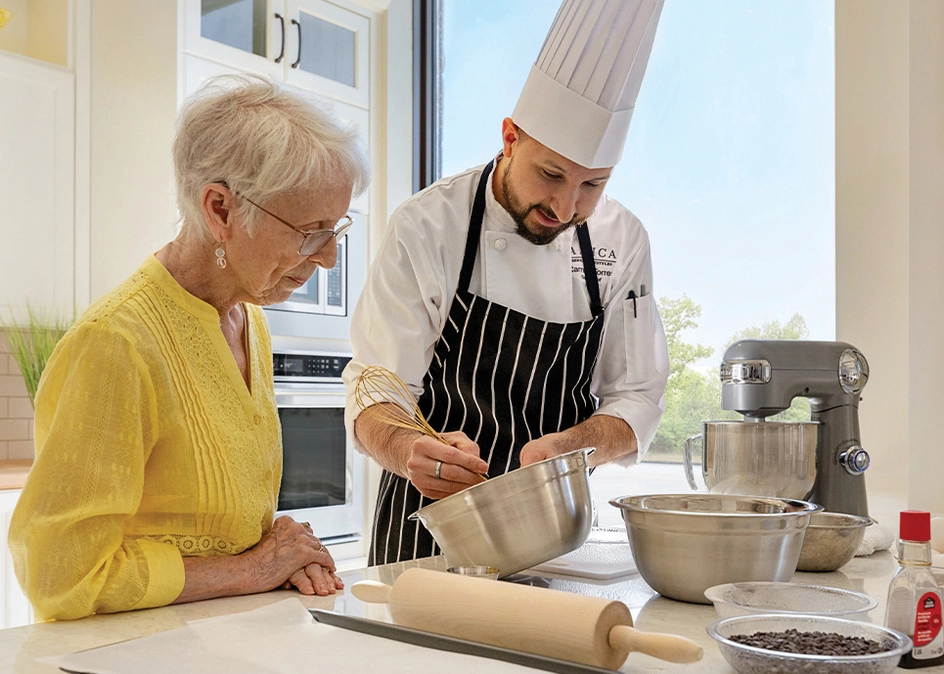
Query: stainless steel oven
{"type": "Point", "coordinates": [322, 476]}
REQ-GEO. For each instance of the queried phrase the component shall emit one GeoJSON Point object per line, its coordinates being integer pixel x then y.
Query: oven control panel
{"type": "Point", "coordinates": [302, 366]}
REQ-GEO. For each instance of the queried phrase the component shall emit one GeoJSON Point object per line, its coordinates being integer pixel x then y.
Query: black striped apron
{"type": "Point", "coordinates": [501, 377]}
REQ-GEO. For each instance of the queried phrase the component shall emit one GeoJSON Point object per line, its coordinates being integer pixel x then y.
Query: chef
{"type": "Point", "coordinates": [515, 299]}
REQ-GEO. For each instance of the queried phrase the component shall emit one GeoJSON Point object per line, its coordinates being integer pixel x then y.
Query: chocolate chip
{"type": "Point", "coordinates": [810, 643]}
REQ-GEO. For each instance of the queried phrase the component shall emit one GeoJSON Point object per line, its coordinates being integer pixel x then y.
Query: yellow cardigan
{"type": "Point", "coordinates": [149, 447]}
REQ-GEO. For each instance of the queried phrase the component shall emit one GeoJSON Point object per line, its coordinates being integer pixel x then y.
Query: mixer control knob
{"type": "Point", "coordinates": [855, 460]}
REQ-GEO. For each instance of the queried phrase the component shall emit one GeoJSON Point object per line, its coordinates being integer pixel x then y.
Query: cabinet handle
{"type": "Point", "coordinates": [282, 48]}
{"type": "Point", "coordinates": [299, 59]}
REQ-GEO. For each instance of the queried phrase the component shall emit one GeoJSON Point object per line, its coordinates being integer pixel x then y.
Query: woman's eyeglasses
{"type": "Point", "coordinates": [312, 241]}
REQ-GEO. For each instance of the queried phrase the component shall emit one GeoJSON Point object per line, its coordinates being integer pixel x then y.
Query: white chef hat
{"type": "Point", "coordinates": [579, 97]}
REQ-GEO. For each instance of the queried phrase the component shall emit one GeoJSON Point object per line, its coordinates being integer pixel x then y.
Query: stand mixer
{"type": "Point", "coordinates": [761, 377]}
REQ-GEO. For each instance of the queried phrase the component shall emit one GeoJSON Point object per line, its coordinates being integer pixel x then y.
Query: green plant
{"type": "Point", "coordinates": [32, 344]}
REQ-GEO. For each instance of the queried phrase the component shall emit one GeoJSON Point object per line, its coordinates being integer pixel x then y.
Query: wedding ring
{"type": "Point", "coordinates": [438, 470]}
{"type": "Point", "coordinates": [307, 526]}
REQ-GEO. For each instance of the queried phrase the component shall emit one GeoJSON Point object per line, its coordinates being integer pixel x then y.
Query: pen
{"type": "Point", "coordinates": [632, 296]}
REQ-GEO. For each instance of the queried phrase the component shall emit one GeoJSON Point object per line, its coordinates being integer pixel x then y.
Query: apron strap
{"type": "Point", "coordinates": [475, 230]}
{"type": "Point", "coordinates": [589, 269]}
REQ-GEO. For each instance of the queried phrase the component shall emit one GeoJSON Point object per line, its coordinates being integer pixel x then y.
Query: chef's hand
{"type": "Point", "coordinates": [545, 447]}
{"type": "Point", "coordinates": [459, 469]}
{"type": "Point", "coordinates": [289, 553]}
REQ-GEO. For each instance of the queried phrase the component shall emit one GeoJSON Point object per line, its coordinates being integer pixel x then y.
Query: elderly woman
{"type": "Point", "coordinates": [158, 445]}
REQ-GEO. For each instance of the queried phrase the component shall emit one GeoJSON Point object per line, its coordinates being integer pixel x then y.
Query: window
{"type": "Point", "coordinates": [729, 163]}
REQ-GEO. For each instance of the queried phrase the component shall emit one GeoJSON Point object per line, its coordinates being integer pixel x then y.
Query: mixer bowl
{"type": "Point", "coordinates": [685, 543]}
{"type": "Point", "coordinates": [517, 520]}
{"type": "Point", "coordinates": [758, 458]}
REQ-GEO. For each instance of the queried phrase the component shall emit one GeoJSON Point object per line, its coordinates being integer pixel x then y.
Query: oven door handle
{"type": "Point", "coordinates": [298, 399]}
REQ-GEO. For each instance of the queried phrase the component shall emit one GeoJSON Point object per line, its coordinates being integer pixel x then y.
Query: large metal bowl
{"type": "Point", "coordinates": [517, 520]}
{"type": "Point", "coordinates": [685, 543]}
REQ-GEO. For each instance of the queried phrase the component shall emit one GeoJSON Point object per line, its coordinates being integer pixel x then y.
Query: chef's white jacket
{"type": "Point", "coordinates": [411, 284]}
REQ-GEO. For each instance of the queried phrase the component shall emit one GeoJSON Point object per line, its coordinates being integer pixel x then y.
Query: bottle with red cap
{"type": "Point", "coordinates": [914, 597]}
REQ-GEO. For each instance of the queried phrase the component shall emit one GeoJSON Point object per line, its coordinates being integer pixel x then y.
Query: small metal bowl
{"type": "Point", "coordinates": [831, 541]}
{"type": "Point", "coordinates": [752, 660]}
{"type": "Point", "coordinates": [475, 570]}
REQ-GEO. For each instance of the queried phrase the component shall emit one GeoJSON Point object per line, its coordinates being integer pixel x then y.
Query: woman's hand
{"type": "Point", "coordinates": [439, 470]}
{"type": "Point", "coordinates": [290, 554]}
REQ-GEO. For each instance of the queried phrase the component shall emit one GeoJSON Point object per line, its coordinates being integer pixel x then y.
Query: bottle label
{"type": "Point", "coordinates": [928, 638]}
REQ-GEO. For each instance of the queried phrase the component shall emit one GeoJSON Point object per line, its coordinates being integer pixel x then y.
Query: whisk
{"type": "Point", "coordinates": [378, 385]}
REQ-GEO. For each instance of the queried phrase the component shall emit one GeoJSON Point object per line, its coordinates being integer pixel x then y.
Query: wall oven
{"type": "Point", "coordinates": [322, 476]}
{"type": "Point", "coordinates": [319, 313]}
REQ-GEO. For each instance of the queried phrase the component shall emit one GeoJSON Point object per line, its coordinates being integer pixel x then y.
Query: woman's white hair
{"type": "Point", "coordinates": [262, 139]}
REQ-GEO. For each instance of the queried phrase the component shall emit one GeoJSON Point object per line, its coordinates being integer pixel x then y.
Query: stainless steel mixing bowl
{"type": "Point", "coordinates": [517, 520]}
{"type": "Point", "coordinates": [758, 458]}
{"type": "Point", "coordinates": [685, 543]}
{"type": "Point", "coordinates": [831, 541]}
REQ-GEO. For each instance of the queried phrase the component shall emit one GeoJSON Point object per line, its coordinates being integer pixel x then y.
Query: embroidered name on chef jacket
{"type": "Point", "coordinates": [604, 257]}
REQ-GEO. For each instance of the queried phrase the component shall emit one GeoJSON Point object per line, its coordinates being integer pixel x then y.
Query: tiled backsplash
{"type": "Point", "coordinates": [16, 412]}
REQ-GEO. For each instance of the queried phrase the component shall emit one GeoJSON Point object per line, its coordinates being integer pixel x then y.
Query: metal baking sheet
{"type": "Point", "coordinates": [443, 643]}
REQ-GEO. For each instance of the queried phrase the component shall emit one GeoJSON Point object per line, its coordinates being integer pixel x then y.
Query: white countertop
{"type": "Point", "coordinates": [20, 647]}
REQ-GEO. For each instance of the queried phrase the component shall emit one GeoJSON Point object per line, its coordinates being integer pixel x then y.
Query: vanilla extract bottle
{"type": "Point", "coordinates": [914, 597]}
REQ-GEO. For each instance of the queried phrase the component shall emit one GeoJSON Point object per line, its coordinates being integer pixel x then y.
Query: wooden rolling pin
{"type": "Point", "coordinates": [563, 625]}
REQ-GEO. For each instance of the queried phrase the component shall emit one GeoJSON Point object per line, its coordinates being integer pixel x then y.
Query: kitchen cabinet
{"type": "Point", "coordinates": [320, 48]}
{"type": "Point", "coordinates": [37, 217]}
{"type": "Point", "coordinates": [38, 29]}
{"type": "Point", "coordinates": [315, 45]}
{"type": "Point", "coordinates": [15, 610]}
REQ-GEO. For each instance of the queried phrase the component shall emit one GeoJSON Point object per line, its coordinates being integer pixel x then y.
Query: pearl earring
{"type": "Point", "coordinates": [220, 256]}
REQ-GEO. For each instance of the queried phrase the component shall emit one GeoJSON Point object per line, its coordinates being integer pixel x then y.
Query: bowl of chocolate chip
{"type": "Point", "coordinates": [774, 644]}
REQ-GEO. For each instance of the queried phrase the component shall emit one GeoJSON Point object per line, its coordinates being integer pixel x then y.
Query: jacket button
{"type": "Point", "coordinates": [257, 420]}
{"type": "Point", "coordinates": [500, 244]}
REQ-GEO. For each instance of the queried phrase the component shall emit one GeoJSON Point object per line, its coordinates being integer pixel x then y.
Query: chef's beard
{"type": "Point", "coordinates": [519, 211]}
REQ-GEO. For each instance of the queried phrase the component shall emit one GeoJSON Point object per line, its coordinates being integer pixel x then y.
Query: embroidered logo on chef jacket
{"type": "Point", "coordinates": [604, 257]}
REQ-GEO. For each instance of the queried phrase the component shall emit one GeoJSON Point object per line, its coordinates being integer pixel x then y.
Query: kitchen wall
{"type": "Point", "coordinates": [132, 106]}
{"type": "Point", "coordinates": [890, 236]}
{"type": "Point", "coordinates": [16, 412]}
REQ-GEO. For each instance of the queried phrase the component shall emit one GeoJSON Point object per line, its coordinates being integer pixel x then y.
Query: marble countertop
{"type": "Point", "coordinates": [20, 647]}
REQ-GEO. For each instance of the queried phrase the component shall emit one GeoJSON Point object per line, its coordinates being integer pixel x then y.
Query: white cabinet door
{"type": "Point", "coordinates": [316, 45]}
{"type": "Point", "coordinates": [248, 35]}
{"type": "Point", "coordinates": [329, 48]}
{"type": "Point", "coordinates": [37, 169]}
{"type": "Point", "coordinates": [15, 610]}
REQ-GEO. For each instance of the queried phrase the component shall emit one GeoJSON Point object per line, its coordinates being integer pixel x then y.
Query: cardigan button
{"type": "Point", "coordinates": [257, 420]}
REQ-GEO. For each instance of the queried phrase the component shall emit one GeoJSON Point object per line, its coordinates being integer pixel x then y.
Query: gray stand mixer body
{"type": "Point", "coordinates": [762, 377]}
